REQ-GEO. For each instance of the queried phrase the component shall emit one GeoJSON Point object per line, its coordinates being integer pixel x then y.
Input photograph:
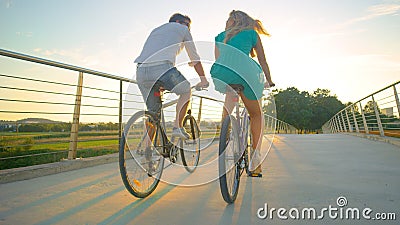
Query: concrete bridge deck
{"type": "Point", "coordinates": [301, 172]}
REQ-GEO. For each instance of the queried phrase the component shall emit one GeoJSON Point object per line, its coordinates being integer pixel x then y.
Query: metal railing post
{"type": "Point", "coordinates": [273, 124]}
{"type": "Point", "coordinates": [397, 100]}
{"type": "Point", "coordinates": [332, 125]}
{"type": "Point", "coordinates": [200, 109]}
{"type": "Point", "coordinates": [378, 118]}
{"type": "Point", "coordinates": [269, 125]}
{"type": "Point", "coordinates": [355, 119]}
{"type": "Point", "coordinates": [364, 120]}
{"type": "Point", "coordinates": [338, 123]}
{"type": "Point", "coordinates": [329, 126]}
{"type": "Point", "coordinates": [336, 127]}
{"type": "Point", "coordinates": [73, 143]}
{"type": "Point", "coordinates": [278, 126]}
{"type": "Point", "coordinates": [344, 123]}
{"type": "Point", "coordinates": [120, 113]}
{"type": "Point", "coordinates": [348, 121]}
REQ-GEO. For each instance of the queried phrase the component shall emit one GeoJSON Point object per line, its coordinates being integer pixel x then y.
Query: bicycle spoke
{"type": "Point", "coordinates": [141, 163]}
{"type": "Point", "coordinates": [190, 150]}
{"type": "Point", "coordinates": [228, 160]}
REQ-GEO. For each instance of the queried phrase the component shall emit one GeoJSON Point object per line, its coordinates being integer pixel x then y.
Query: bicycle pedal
{"type": "Point", "coordinates": [242, 164]}
{"type": "Point", "coordinates": [173, 155]}
{"type": "Point", "coordinates": [255, 174]}
{"type": "Point", "coordinates": [173, 159]}
{"type": "Point", "coordinates": [165, 155]}
{"type": "Point", "coordinates": [140, 152]}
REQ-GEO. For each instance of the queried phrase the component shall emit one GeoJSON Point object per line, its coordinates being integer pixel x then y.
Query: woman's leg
{"type": "Point", "coordinates": [256, 120]}
{"type": "Point", "coordinates": [257, 128]}
{"type": "Point", "coordinates": [229, 104]}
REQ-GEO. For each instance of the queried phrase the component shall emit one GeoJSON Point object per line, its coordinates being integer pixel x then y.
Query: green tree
{"type": "Point", "coordinates": [292, 107]}
{"type": "Point", "coordinates": [305, 111]}
{"type": "Point", "coordinates": [369, 108]}
{"type": "Point", "coordinates": [323, 106]}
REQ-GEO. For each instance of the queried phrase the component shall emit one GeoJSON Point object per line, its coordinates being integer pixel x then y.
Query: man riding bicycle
{"type": "Point", "coordinates": [156, 65]}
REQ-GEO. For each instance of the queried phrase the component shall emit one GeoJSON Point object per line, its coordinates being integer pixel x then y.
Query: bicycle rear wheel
{"type": "Point", "coordinates": [229, 154]}
{"type": "Point", "coordinates": [140, 160]}
{"type": "Point", "coordinates": [190, 151]}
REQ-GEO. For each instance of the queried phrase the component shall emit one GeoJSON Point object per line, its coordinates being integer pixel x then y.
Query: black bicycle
{"type": "Point", "coordinates": [144, 146]}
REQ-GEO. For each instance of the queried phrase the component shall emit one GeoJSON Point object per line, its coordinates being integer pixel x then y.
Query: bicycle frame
{"type": "Point", "coordinates": [161, 130]}
{"type": "Point", "coordinates": [160, 124]}
{"type": "Point", "coordinates": [242, 119]}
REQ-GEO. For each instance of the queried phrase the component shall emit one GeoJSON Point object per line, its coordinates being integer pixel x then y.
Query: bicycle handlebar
{"type": "Point", "coordinates": [198, 88]}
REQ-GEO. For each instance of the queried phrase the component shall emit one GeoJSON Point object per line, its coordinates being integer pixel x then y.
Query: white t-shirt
{"type": "Point", "coordinates": [166, 42]}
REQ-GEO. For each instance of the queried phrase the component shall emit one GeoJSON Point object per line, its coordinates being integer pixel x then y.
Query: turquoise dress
{"type": "Point", "coordinates": [234, 66]}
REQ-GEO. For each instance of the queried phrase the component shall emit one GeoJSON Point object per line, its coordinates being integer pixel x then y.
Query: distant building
{"type": "Point", "coordinates": [388, 111]}
{"type": "Point", "coordinates": [6, 125]}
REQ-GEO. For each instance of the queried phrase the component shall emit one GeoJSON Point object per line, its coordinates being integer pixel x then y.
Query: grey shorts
{"type": "Point", "coordinates": [151, 78]}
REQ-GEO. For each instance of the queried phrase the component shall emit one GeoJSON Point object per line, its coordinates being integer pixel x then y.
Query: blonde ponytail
{"type": "Point", "coordinates": [242, 21]}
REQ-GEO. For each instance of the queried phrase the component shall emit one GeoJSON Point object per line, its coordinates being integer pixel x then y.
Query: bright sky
{"type": "Point", "coordinates": [349, 47]}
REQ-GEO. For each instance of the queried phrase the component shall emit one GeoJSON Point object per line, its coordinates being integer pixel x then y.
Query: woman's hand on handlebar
{"type": "Point", "coordinates": [269, 84]}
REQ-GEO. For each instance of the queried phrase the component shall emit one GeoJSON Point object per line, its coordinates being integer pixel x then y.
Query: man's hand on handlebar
{"type": "Point", "coordinates": [202, 84]}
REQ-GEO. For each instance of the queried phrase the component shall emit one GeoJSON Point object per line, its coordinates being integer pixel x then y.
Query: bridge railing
{"type": "Point", "coordinates": [51, 110]}
{"type": "Point", "coordinates": [376, 114]}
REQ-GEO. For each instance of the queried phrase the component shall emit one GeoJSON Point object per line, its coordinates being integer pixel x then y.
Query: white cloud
{"type": "Point", "coordinates": [7, 3]}
{"type": "Point", "coordinates": [72, 55]}
{"type": "Point", "coordinates": [24, 34]}
{"type": "Point", "coordinates": [104, 60]}
{"type": "Point", "coordinates": [377, 11]}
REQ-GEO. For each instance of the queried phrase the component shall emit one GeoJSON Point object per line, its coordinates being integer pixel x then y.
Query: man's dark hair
{"type": "Point", "coordinates": [179, 17]}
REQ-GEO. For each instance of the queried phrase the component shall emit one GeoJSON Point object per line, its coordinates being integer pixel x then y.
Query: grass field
{"type": "Point", "coordinates": [25, 149]}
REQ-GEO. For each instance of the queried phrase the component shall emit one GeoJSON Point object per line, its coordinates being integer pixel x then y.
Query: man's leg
{"type": "Point", "coordinates": [150, 94]}
{"type": "Point", "coordinates": [175, 82]}
{"type": "Point", "coordinates": [181, 108]}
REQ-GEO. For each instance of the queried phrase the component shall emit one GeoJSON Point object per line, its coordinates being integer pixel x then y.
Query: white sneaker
{"type": "Point", "coordinates": [180, 133]}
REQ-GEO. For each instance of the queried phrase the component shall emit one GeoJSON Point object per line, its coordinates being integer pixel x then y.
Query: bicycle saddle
{"type": "Point", "coordinates": [236, 87]}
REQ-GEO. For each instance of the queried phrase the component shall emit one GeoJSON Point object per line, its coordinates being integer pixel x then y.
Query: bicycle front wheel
{"type": "Point", "coordinates": [140, 160]}
{"type": "Point", "coordinates": [190, 150]}
{"type": "Point", "coordinates": [229, 154]}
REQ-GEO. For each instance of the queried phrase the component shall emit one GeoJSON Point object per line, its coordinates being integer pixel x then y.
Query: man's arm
{"type": "Point", "coordinates": [195, 60]}
{"type": "Point", "coordinates": [200, 71]}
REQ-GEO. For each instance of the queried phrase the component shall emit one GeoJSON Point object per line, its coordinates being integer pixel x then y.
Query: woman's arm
{"type": "Point", "coordinates": [216, 52]}
{"type": "Point", "coordinates": [263, 62]}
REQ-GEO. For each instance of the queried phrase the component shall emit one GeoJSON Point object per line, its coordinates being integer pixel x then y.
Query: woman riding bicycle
{"type": "Point", "coordinates": [234, 66]}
